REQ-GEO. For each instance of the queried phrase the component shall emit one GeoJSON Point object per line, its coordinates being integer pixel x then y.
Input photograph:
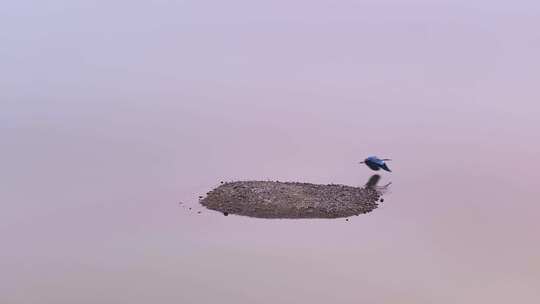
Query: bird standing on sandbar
{"type": "Point", "coordinates": [375, 163]}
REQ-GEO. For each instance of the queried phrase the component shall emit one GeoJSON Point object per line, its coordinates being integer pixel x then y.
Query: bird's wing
{"type": "Point", "coordinates": [378, 161]}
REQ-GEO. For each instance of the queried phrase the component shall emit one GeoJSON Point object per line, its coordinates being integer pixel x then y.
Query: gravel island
{"type": "Point", "coordinates": [272, 199]}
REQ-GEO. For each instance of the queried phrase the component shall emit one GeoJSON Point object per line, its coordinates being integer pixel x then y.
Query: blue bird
{"type": "Point", "coordinates": [375, 163]}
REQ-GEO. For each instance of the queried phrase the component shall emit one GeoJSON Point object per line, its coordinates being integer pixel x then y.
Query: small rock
{"type": "Point", "coordinates": [225, 213]}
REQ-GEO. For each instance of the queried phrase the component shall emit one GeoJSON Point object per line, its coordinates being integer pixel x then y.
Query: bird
{"type": "Point", "coordinates": [375, 163]}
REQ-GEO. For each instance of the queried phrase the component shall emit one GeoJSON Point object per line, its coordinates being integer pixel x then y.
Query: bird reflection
{"type": "Point", "coordinates": [373, 181]}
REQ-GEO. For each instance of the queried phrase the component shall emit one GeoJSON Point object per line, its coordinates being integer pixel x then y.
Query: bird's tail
{"type": "Point", "coordinates": [385, 167]}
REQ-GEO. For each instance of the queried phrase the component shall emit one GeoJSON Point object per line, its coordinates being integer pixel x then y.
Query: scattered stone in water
{"type": "Point", "coordinates": [382, 200]}
{"type": "Point", "coordinates": [198, 212]}
{"type": "Point", "coordinates": [347, 220]}
{"type": "Point", "coordinates": [225, 213]}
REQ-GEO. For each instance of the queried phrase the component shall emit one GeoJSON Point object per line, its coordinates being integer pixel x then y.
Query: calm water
{"type": "Point", "coordinates": [112, 116]}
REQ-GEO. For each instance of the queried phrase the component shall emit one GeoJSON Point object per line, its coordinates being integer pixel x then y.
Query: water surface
{"type": "Point", "coordinates": [112, 116]}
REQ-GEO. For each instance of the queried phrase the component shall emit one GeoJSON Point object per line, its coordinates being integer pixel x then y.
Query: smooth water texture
{"type": "Point", "coordinates": [113, 112]}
